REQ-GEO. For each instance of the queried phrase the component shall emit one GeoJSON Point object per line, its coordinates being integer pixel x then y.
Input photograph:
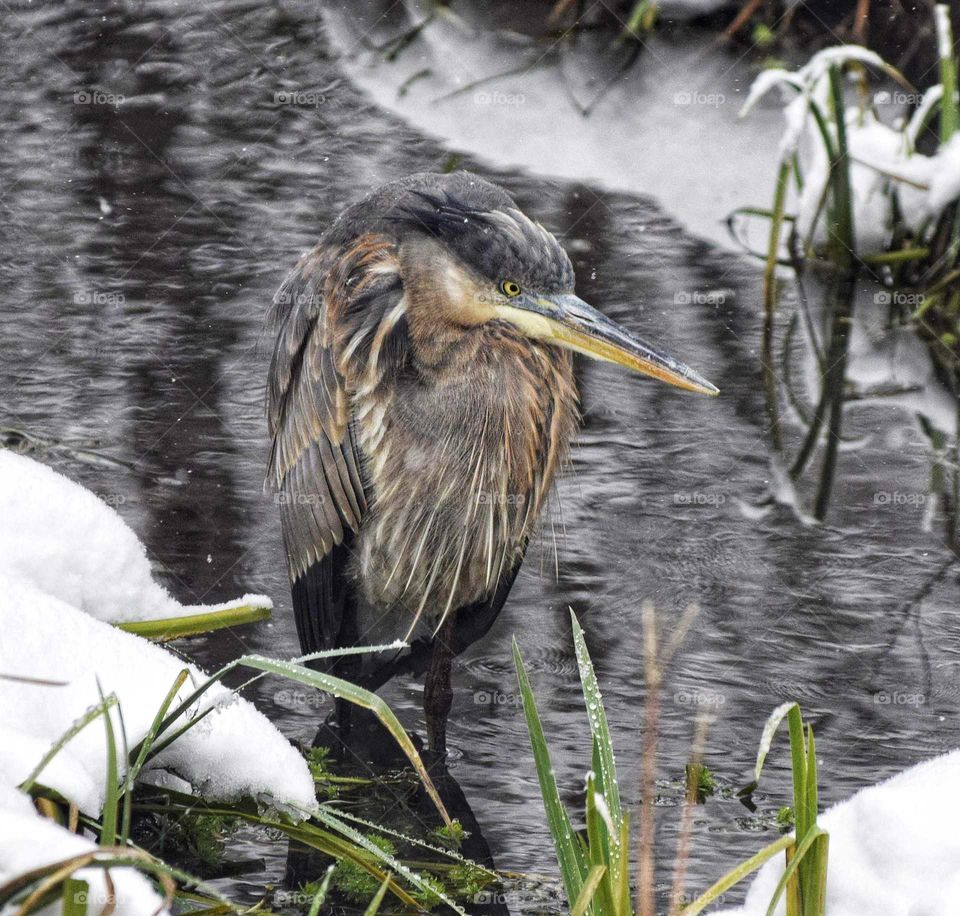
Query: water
{"type": "Point", "coordinates": [142, 243]}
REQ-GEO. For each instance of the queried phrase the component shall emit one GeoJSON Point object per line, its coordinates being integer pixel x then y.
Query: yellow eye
{"type": "Point", "coordinates": [510, 288]}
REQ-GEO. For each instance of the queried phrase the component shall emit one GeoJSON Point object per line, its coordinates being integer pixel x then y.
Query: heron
{"type": "Point", "coordinates": [421, 402]}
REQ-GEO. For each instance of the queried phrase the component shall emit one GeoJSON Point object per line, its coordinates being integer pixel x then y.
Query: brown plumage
{"type": "Point", "coordinates": [421, 402]}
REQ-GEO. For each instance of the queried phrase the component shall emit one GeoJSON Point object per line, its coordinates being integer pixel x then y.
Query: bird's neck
{"type": "Point", "coordinates": [445, 307]}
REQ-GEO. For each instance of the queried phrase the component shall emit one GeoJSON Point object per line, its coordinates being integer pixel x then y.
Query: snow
{"type": "Point", "coordinates": [883, 163]}
{"type": "Point", "coordinates": [233, 753]}
{"type": "Point", "coordinates": [29, 841]}
{"type": "Point", "coordinates": [894, 849]}
{"type": "Point", "coordinates": [67, 542]}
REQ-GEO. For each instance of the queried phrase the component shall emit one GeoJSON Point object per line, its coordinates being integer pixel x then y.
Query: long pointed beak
{"type": "Point", "coordinates": [569, 322]}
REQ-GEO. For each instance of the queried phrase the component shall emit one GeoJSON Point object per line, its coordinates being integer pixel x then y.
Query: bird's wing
{"type": "Point", "coordinates": [315, 466]}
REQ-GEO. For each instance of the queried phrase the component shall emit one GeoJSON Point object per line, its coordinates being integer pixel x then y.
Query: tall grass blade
{"type": "Point", "coordinates": [607, 772]}
{"type": "Point", "coordinates": [949, 118]}
{"type": "Point", "coordinates": [374, 907]}
{"type": "Point", "coordinates": [325, 816]}
{"type": "Point", "coordinates": [108, 822]}
{"type": "Point", "coordinates": [320, 897]}
{"type": "Point", "coordinates": [569, 854]}
{"type": "Point", "coordinates": [89, 716]}
{"type": "Point", "coordinates": [735, 875]}
{"type": "Point", "coordinates": [344, 690]}
{"type": "Point", "coordinates": [74, 897]}
{"type": "Point", "coordinates": [594, 877]}
{"type": "Point", "coordinates": [600, 832]}
{"type": "Point", "coordinates": [196, 624]}
{"type": "Point", "coordinates": [770, 296]}
{"type": "Point", "coordinates": [792, 866]}
{"type": "Point", "coordinates": [766, 739]}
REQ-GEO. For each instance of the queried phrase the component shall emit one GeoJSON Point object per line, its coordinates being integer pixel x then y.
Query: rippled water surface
{"type": "Point", "coordinates": [141, 244]}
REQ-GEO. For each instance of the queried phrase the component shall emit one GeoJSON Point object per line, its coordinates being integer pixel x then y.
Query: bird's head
{"type": "Point", "coordinates": [469, 256]}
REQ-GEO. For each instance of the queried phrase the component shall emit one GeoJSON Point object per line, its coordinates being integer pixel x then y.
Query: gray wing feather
{"type": "Point", "coordinates": [314, 464]}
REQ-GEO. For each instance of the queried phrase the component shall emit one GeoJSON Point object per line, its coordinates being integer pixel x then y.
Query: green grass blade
{"type": "Point", "coordinates": [327, 817]}
{"type": "Point", "coordinates": [374, 907]}
{"type": "Point", "coordinates": [359, 697]}
{"type": "Point", "coordinates": [798, 857]}
{"type": "Point", "coordinates": [196, 624]}
{"type": "Point", "coordinates": [766, 738]}
{"type": "Point", "coordinates": [599, 848]}
{"type": "Point", "coordinates": [108, 822]}
{"type": "Point", "coordinates": [594, 877]}
{"type": "Point", "coordinates": [809, 878]}
{"type": "Point", "coordinates": [319, 898]}
{"type": "Point", "coordinates": [735, 875]}
{"type": "Point", "coordinates": [142, 749]}
{"type": "Point", "coordinates": [622, 889]}
{"type": "Point", "coordinates": [138, 756]}
{"type": "Point", "coordinates": [89, 716]}
{"type": "Point", "coordinates": [217, 676]}
{"type": "Point", "coordinates": [607, 772]}
{"type": "Point", "coordinates": [949, 120]}
{"type": "Point", "coordinates": [74, 897]}
{"type": "Point", "coordinates": [770, 299]}
{"type": "Point", "coordinates": [569, 854]}
{"type": "Point", "coordinates": [798, 764]}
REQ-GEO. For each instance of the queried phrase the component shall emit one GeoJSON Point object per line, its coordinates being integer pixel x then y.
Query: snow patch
{"type": "Point", "coordinates": [233, 753]}
{"type": "Point", "coordinates": [894, 848]}
{"type": "Point", "coordinates": [68, 543]}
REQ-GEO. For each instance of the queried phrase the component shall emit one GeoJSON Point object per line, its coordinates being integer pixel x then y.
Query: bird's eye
{"type": "Point", "coordinates": [510, 288]}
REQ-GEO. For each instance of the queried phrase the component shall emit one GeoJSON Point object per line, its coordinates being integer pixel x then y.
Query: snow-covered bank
{"type": "Point", "coordinates": [69, 564]}
{"type": "Point", "coordinates": [29, 841]}
{"type": "Point", "coordinates": [894, 849]}
{"type": "Point", "coordinates": [235, 752]}
{"type": "Point", "coordinates": [668, 127]}
{"type": "Point", "coordinates": [60, 537]}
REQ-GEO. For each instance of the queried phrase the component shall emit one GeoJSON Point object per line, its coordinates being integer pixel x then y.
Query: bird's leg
{"type": "Point", "coordinates": [437, 692]}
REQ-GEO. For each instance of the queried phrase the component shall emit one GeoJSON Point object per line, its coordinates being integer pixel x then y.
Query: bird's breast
{"type": "Point", "coordinates": [459, 466]}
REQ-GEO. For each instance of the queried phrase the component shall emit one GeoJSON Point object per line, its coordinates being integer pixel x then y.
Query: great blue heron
{"type": "Point", "coordinates": [421, 401]}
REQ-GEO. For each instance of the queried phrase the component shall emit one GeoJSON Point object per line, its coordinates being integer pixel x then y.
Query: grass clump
{"type": "Point", "coordinates": [859, 204]}
{"type": "Point", "coordinates": [193, 833]}
{"type": "Point", "coordinates": [596, 864]}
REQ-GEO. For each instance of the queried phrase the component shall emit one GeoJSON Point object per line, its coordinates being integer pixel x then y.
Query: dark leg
{"type": "Point", "coordinates": [437, 693]}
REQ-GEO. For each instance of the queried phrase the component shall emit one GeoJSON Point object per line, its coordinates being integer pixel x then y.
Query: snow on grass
{"type": "Point", "coordinates": [894, 848]}
{"type": "Point", "coordinates": [29, 841]}
{"type": "Point", "coordinates": [234, 752]}
{"type": "Point", "coordinates": [67, 542]}
{"type": "Point", "coordinates": [889, 180]}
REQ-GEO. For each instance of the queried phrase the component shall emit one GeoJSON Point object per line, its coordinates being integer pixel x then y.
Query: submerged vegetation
{"type": "Point", "coordinates": [142, 822]}
{"type": "Point", "coordinates": [865, 217]}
